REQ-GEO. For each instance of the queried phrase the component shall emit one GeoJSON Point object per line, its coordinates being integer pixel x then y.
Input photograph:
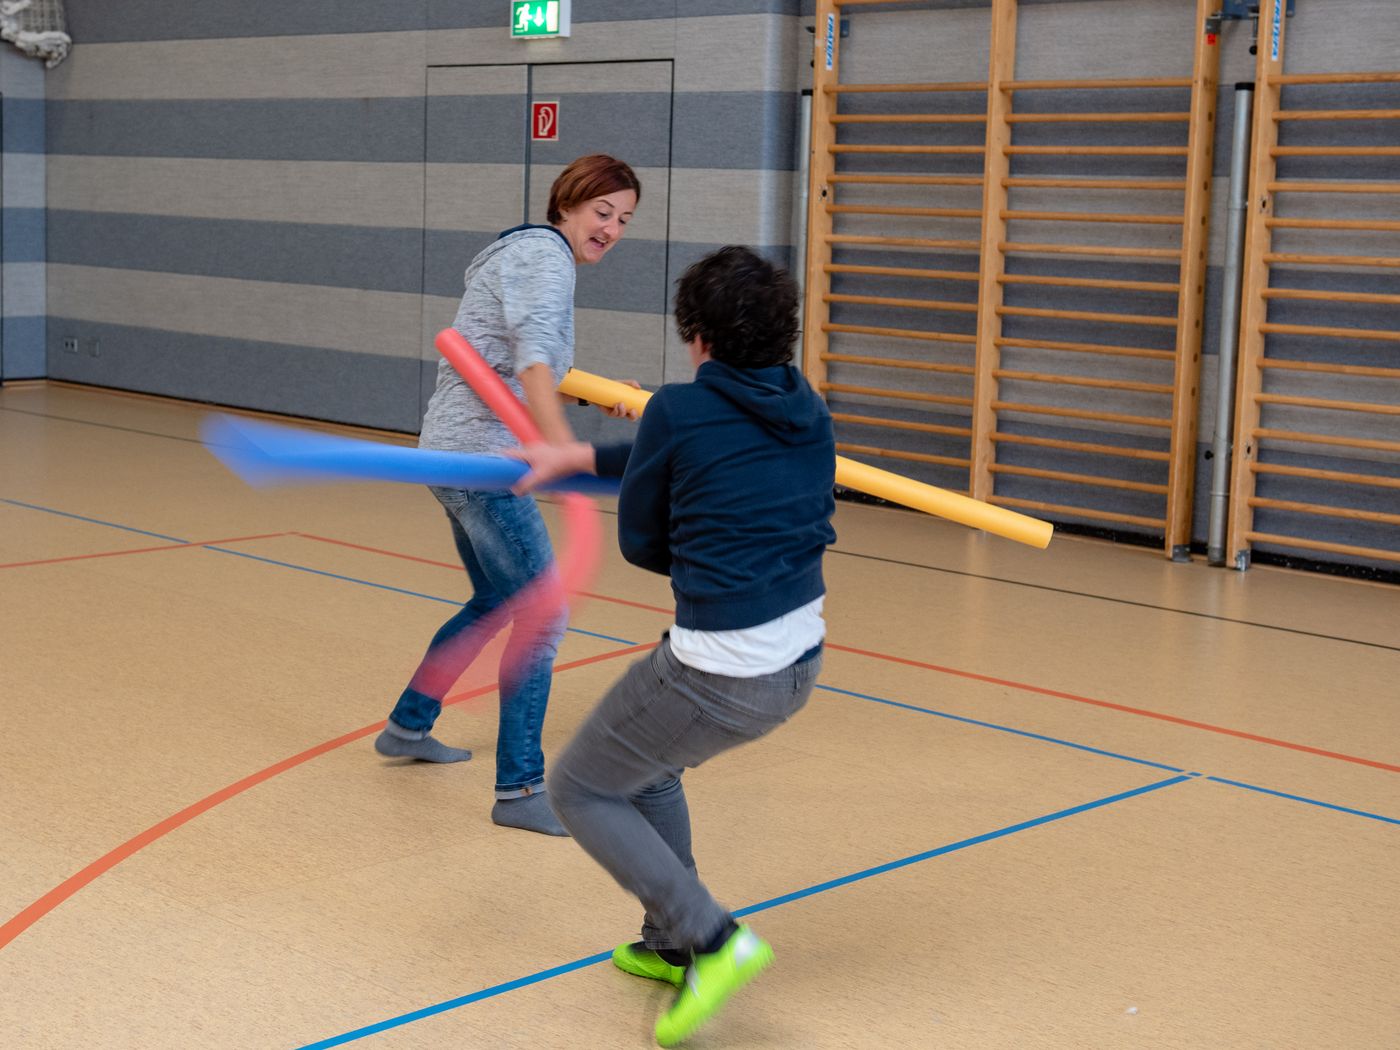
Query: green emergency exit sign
{"type": "Point", "coordinates": [533, 19]}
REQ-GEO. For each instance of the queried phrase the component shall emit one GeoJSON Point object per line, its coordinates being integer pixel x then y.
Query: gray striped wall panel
{"type": "Point", "coordinates": [94, 22]}
{"type": "Point", "coordinates": [293, 253]}
{"type": "Point", "coordinates": [22, 221]}
{"type": "Point", "coordinates": [298, 380]}
{"type": "Point", "coordinates": [713, 130]}
{"type": "Point", "coordinates": [733, 135]}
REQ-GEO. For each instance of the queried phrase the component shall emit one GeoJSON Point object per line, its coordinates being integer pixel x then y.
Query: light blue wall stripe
{"type": "Point", "coordinates": [312, 382]}
{"type": "Point", "coordinates": [22, 346]}
{"type": "Point", "coordinates": [94, 21]}
{"type": "Point", "coordinates": [23, 125]}
{"type": "Point", "coordinates": [22, 234]}
{"type": "Point", "coordinates": [740, 129]}
{"type": "Point", "coordinates": [376, 258]}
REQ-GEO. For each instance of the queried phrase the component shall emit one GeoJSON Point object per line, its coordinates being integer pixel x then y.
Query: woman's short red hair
{"type": "Point", "coordinates": [595, 175]}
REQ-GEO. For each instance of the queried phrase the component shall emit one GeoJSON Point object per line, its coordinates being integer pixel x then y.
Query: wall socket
{"type": "Point", "coordinates": [70, 346]}
{"type": "Point", "coordinates": [94, 347]}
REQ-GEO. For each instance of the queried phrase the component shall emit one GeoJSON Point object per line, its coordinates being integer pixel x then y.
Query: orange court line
{"type": "Point", "coordinates": [142, 550]}
{"type": "Point", "coordinates": [974, 676]}
{"type": "Point", "coordinates": [1121, 707]}
{"type": "Point", "coordinates": [71, 885]}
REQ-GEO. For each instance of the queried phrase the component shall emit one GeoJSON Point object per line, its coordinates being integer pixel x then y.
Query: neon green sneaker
{"type": "Point", "coordinates": [709, 982]}
{"type": "Point", "coordinates": [637, 958]}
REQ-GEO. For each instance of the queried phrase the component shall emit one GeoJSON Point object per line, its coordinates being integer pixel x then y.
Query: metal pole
{"type": "Point", "coordinates": [1229, 325]}
{"type": "Point", "coordinates": [798, 269]}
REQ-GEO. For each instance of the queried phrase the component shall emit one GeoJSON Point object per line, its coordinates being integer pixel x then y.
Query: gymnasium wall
{"type": "Point", "coordinates": [270, 205]}
{"type": "Point", "coordinates": [21, 215]}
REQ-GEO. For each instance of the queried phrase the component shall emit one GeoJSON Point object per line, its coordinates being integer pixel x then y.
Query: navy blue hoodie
{"type": "Point", "coordinates": [728, 489]}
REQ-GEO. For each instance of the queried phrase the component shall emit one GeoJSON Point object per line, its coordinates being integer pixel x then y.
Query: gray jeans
{"type": "Point", "coordinates": [617, 786]}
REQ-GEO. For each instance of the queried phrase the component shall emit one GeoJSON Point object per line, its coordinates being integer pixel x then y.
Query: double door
{"type": "Point", "coordinates": [485, 172]}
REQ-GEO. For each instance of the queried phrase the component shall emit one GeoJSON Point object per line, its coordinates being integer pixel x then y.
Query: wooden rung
{"type": "Point", "coordinates": [906, 180]}
{"type": "Point", "coordinates": [1350, 513]}
{"type": "Point", "coordinates": [928, 150]}
{"type": "Point", "coordinates": [912, 304]}
{"type": "Point", "coordinates": [1113, 251]}
{"type": "Point", "coordinates": [895, 362]}
{"type": "Point", "coordinates": [900, 242]}
{"type": "Point", "coordinates": [1327, 475]}
{"type": "Point", "coordinates": [1096, 118]}
{"type": "Point", "coordinates": [1087, 315]}
{"type": "Point", "coordinates": [1336, 78]}
{"type": "Point", "coordinates": [929, 213]}
{"type": "Point", "coordinates": [1092, 216]}
{"type": "Point", "coordinates": [1371, 407]}
{"type": "Point", "coordinates": [1095, 151]}
{"type": "Point", "coordinates": [1084, 381]}
{"type": "Point", "coordinates": [899, 395]}
{"type": "Point", "coordinates": [1081, 446]}
{"type": "Point", "coordinates": [1335, 151]}
{"type": "Point", "coordinates": [1087, 348]}
{"type": "Point", "coordinates": [1330, 297]}
{"type": "Point", "coordinates": [1337, 114]}
{"type": "Point", "coordinates": [1320, 545]}
{"type": "Point", "coordinates": [1079, 479]}
{"type": "Point", "coordinates": [889, 453]}
{"type": "Point", "coordinates": [910, 118]}
{"type": "Point", "coordinates": [1338, 333]}
{"type": "Point", "coordinates": [902, 271]}
{"type": "Point", "coordinates": [1082, 413]}
{"type": "Point", "coordinates": [1051, 510]}
{"type": "Point", "coordinates": [901, 333]}
{"type": "Point", "coordinates": [1091, 282]}
{"type": "Point", "coordinates": [1072, 85]}
{"type": "Point", "coordinates": [1374, 444]}
{"type": "Point", "coordinates": [1095, 184]}
{"type": "Point", "coordinates": [902, 424]}
{"type": "Point", "coordinates": [1296, 186]}
{"type": "Point", "coordinates": [1363, 371]}
{"type": "Point", "coordinates": [1298, 259]}
{"type": "Point", "coordinates": [865, 89]}
{"type": "Point", "coordinates": [1332, 224]}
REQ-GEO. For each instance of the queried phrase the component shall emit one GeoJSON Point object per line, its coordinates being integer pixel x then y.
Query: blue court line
{"type": "Point", "coordinates": [384, 587]}
{"type": "Point", "coordinates": [281, 564]}
{"type": "Point", "coordinates": [91, 521]}
{"type": "Point", "coordinates": [821, 887]}
{"type": "Point", "coordinates": [827, 688]}
{"type": "Point", "coordinates": [1003, 729]}
{"type": "Point", "coordinates": [1304, 799]}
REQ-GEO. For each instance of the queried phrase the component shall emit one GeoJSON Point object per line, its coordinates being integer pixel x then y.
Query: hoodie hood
{"type": "Point", "coordinates": [779, 397]}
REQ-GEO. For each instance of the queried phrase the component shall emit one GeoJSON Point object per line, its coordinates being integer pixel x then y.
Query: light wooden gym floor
{"type": "Point", "coordinates": [1074, 798]}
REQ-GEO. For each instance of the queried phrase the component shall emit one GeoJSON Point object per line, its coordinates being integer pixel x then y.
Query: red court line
{"type": "Point", "coordinates": [71, 885]}
{"type": "Point", "coordinates": [972, 675]}
{"type": "Point", "coordinates": [143, 550]}
{"type": "Point", "coordinates": [1207, 726]}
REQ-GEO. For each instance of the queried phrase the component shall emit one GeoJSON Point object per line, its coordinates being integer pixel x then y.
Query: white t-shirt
{"type": "Point", "coordinates": [752, 651]}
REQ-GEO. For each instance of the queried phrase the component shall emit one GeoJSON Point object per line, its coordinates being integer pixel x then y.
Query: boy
{"type": "Point", "coordinates": [728, 489]}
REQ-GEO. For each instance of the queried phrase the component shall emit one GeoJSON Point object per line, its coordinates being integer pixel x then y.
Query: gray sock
{"type": "Point", "coordinates": [528, 813]}
{"type": "Point", "coordinates": [425, 749]}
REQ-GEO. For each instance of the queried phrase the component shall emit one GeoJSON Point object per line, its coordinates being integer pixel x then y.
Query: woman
{"type": "Point", "coordinates": [518, 312]}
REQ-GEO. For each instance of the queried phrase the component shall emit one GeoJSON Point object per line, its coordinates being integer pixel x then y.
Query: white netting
{"type": "Point", "coordinates": [37, 28]}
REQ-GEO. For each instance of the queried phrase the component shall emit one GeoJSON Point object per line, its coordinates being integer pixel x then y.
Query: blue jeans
{"type": "Point", "coordinates": [503, 545]}
{"type": "Point", "coordinates": [617, 789]}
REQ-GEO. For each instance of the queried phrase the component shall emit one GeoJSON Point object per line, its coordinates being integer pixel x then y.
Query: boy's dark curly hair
{"type": "Point", "coordinates": [741, 305]}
